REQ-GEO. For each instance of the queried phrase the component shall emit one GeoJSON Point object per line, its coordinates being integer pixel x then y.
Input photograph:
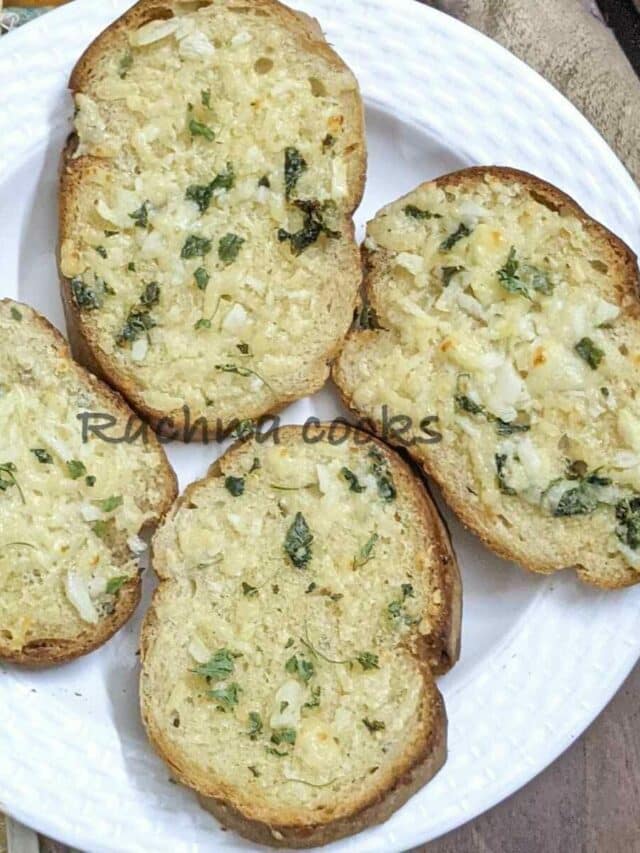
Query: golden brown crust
{"type": "Point", "coordinates": [628, 291]}
{"type": "Point", "coordinates": [86, 350]}
{"type": "Point", "coordinates": [47, 651]}
{"type": "Point", "coordinates": [437, 654]}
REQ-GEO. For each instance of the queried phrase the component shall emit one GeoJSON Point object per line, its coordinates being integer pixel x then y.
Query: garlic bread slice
{"type": "Point", "coordinates": [498, 305]}
{"type": "Point", "coordinates": [207, 254]}
{"type": "Point", "coordinates": [71, 510]}
{"type": "Point", "coordinates": [308, 591]}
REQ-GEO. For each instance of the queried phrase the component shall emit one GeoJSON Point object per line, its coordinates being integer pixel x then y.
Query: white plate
{"type": "Point", "coordinates": [541, 657]}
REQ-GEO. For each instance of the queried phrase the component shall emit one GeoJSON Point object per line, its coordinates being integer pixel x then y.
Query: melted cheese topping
{"type": "Point", "coordinates": [204, 94]}
{"type": "Point", "coordinates": [60, 543]}
{"type": "Point", "coordinates": [488, 300]}
{"type": "Point", "coordinates": [233, 586]}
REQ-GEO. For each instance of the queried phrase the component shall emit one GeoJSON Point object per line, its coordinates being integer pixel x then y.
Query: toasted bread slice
{"type": "Point", "coordinates": [308, 589]}
{"type": "Point", "coordinates": [502, 308]}
{"type": "Point", "coordinates": [70, 510]}
{"type": "Point", "coordinates": [206, 242]}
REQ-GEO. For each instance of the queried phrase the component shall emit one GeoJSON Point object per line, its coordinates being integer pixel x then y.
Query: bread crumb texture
{"type": "Point", "coordinates": [498, 305]}
{"type": "Point", "coordinates": [284, 669]}
{"type": "Point", "coordinates": [70, 512]}
{"type": "Point", "coordinates": [206, 238]}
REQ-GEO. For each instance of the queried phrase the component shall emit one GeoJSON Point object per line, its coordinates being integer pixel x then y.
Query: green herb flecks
{"type": "Point", "coordinates": [195, 247]}
{"type": "Point", "coordinates": [198, 128]}
{"type": "Point", "coordinates": [255, 725]}
{"type": "Point", "coordinates": [501, 474]}
{"type": "Point", "coordinates": [218, 667]}
{"type": "Point", "coordinates": [141, 215]}
{"type": "Point", "coordinates": [76, 469]}
{"type": "Point", "coordinates": [461, 231]}
{"type": "Point", "coordinates": [227, 697]}
{"type": "Point", "coordinates": [8, 479]}
{"type": "Point", "coordinates": [298, 542]}
{"type": "Point", "coordinates": [628, 516]}
{"type": "Point", "coordinates": [109, 504]}
{"type": "Point", "coordinates": [86, 297]}
{"type": "Point", "coordinates": [366, 552]}
{"type": "Point", "coordinates": [15, 314]}
{"type": "Point", "coordinates": [125, 64]}
{"type": "Point", "coordinates": [114, 585]}
{"type": "Point", "coordinates": [374, 725]}
{"type": "Point", "coordinates": [201, 277]}
{"type": "Point", "coordinates": [42, 455]}
{"type": "Point", "coordinates": [301, 667]}
{"type": "Point", "coordinates": [234, 485]}
{"type": "Point", "coordinates": [365, 317]}
{"type": "Point", "coordinates": [313, 226]}
{"type": "Point", "coordinates": [248, 590]}
{"type": "Point", "coordinates": [205, 98]}
{"type": "Point", "coordinates": [352, 480]}
{"type": "Point", "coordinates": [589, 352]}
{"type": "Point", "coordinates": [101, 251]}
{"type": "Point", "coordinates": [416, 213]}
{"type": "Point", "coordinates": [448, 273]}
{"type": "Point", "coordinates": [519, 277]}
{"type": "Point", "coordinates": [201, 194]}
{"type": "Point", "coordinates": [284, 736]}
{"type": "Point", "coordinates": [368, 660]}
{"type": "Point", "coordinates": [229, 247]}
{"type": "Point", "coordinates": [294, 167]}
{"type": "Point", "coordinates": [241, 371]}
{"type": "Point", "coordinates": [380, 469]}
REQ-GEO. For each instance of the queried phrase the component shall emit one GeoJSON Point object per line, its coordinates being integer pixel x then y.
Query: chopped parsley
{"type": "Point", "coordinates": [227, 697]}
{"type": "Point", "coordinates": [448, 273]}
{"type": "Point", "coordinates": [202, 323]}
{"type": "Point", "coordinates": [589, 352]}
{"type": "Point", "coordinates": [501, 464]}
{"type": "Point", "coordinates": [141, 215]}
{"type": "Point", "coordinates": [90, 480]}
{"type": "Point", "coordinates": [201, 277]}
{"type": "Point", "coordinates": [15, 314]}
{"type": "Point", "coordinates": [380, 470]}
{"type": "Point", "coordinates": [313, 225]}
{"type": "Point", "coordinates": [366, 317]}
{"type": "Point", "coordinates": [205, 97]}
{"type": "Point", "coordinates": [125, 64]}
{"type": "Point", "coordinates": [201, 194]}
{"type": "Point", "coordinates": [294, 167]}
{"type": "Point", "coordinates": [304, 669]}
{"type": "Point", "coordinates": [628, 516]}
{"type": "Point", "coordinates": [368, 660]}
{"type": "Point", "coordinates": [151, 294]}
{"type": "Point", "coordinates": [76, 469]}
{"type": "Point", "coordinates": [197, 128]}
{"type": "Point", "coordinates": [298, 541]}
{"type": "Point", "coordinates": [519, 277]}
{"type": "Point", "coordinates": [264, 182]}
{"type": "Point", "coordinates": [114, 585]}
{"type": "Point", "coordinates": [255, 725]}
{"type": "Point", "coordinates": [234, 485]}
{"type": "Point", "coordinates": [374, 725]}
{"type": "Point", "coordinates": [42, 455]}
{"type": "Point", "coordinates": [101, 251]}
{"type": "Point", "coordinates": [8, 479]}
{"type": "Point", "coordinates": [218, 667]}
{"type": "Point", "coordinates": [195, 246]}
{"type": "Point", "coordinates": [249, 590]}
{"type": "Point", "coordinates": [328, 142]}
{"type": "Point", "coordinates": [84, 296]}
{"type": "Point", "coordinates": [139, 321]}
{"type": "Point", "coordinates": [461, 231]}
{"type": "Point", "coordinates": [109, 504]}
{"type": "Point", "coordinates": [366, 552]}
{"type": "Point", "coordinates": [354, 483]}
{"type": "Point", "coordinates": [314, 702]}
{"type": "Point", "coordinates": [240, 371]}
{"type": "Point", "coordinates": [229, 246]}
{"type": "Point", "coordinates": [284, 736]}
{"type": "Point", "coordinates": [415, 213]}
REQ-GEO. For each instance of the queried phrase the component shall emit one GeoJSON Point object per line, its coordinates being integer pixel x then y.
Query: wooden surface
{"type": "Point", "coordinates": [588, 801]}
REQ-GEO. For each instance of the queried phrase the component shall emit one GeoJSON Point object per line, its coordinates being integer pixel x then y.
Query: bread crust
{"type": "Point", "coordinates": [437, 654]}
{"type": "Point", "coordinates": [87, 350]}
{"type": "Point", "coordinates": [47, 651]}
{"type": "Point", "coordinates": [629, 288]}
